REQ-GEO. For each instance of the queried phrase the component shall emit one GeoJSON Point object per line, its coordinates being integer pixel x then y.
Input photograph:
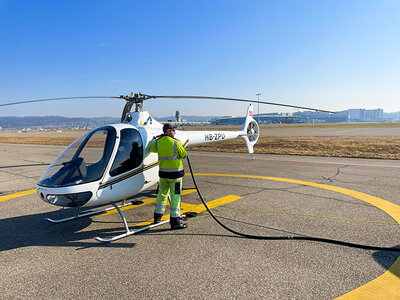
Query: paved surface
{"type": "Point", "coordinates": [321, 131]}
{"type": "Point", "coordinates": [42, 260]}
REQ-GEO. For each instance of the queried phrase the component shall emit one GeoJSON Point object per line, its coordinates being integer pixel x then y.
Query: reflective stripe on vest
{"type": "Point", "coordinates": [171, 170]}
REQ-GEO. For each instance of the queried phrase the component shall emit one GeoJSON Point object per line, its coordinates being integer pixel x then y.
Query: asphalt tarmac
{"type": "Point", "coordinates": [331, 131]}
{"type": "Point", "coordinates": [63, 261]}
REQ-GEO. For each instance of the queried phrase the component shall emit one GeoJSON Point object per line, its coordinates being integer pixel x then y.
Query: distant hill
{"type": "Point", "coordinates": [49, 122]}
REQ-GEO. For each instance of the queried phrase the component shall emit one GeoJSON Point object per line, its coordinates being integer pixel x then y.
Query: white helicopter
{"type": "Point", "coordinates": [112, 163]}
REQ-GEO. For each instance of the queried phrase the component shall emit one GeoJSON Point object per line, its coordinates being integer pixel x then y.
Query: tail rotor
{"type": "Point", "coordinates": [251, 130]}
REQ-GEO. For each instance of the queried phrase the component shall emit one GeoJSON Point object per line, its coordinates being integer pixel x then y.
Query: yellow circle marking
{"type": "Point", "coordinates": [385, 286]}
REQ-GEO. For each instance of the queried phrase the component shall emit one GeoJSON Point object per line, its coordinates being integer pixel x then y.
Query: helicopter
{"type": "Point", "coordinates": [112, 163]}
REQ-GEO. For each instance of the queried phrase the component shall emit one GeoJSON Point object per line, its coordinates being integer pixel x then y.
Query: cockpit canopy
{"type": "Point", "coordinates": [87, 158]}
{"type": "Point", "coordinates": [83, 161]}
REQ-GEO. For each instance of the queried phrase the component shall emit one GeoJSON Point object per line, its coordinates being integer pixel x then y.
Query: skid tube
{"type": "Point", "coordinates": [128, 232]}
{"type": "Point", "coordinates": [89, 213]}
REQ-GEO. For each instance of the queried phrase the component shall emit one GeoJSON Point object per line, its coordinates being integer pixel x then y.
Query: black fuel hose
{"type": "Point", "coordinates": [291, 237]}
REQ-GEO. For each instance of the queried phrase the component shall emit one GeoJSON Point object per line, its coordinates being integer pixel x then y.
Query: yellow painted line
{"type": "Point", "coordinates": [16, 195]}
{"type": "Point", "coordinates": [214, 203]}
{"type": "Point", "coordinates": [146, 201]}
{"type": "Point", "coordinates": [386, 286]}
{"type": "Point", "coordinates": [197, 208]}
{"type": "Point", "coordinates": [187, 206]}
{"type": "Point", "coordinates": [143, 224]}
{"type": "Point", "coordinates": [391, 209]}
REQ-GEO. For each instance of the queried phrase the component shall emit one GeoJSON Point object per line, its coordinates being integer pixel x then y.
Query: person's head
{"type": "Point", "coordinates": [169, 129]}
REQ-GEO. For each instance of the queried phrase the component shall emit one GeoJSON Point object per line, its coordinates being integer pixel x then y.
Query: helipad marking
{"type": "Point", "coordinates": [16, 195]}
{"type": "Point", "coordinates": [197, 208]}
{"type": "Point", "coordinates": [385, 286]}
{"type": "Point", "coordinates": [145, 202]}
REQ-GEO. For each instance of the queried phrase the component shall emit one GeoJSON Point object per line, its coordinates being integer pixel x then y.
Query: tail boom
{"type": "Point", "coordinates": [249, 132]}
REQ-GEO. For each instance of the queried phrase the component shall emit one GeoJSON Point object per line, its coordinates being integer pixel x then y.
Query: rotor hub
{"type": "Point", "coordinates": [135, 97]}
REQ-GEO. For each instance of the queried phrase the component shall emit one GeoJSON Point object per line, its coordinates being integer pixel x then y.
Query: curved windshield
{"type": "Point", "coordinates": [83, 161]}
{"type": "Point", "coordinates": [130, 152]}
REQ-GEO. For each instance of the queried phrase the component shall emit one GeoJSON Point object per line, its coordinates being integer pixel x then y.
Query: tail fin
{"type": "Point", "coordinates": [250, 129]}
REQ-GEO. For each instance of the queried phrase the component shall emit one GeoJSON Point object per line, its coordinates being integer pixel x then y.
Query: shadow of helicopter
{"type": "Point", "coordinates": [33, 230]}
{"type": "Point", "coordinates": [388, 261]}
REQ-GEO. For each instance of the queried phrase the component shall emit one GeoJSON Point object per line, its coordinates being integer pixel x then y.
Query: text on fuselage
{"type": "Point", "coordinates": [214, 136]}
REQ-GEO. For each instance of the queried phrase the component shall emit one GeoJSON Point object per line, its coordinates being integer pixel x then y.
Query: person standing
{"type": "Point", "coordinates": [170, 153]}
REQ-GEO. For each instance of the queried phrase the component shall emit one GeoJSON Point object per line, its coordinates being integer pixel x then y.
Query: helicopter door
{"type": "Point", "coordinates": [130, 152]}
{"type": "Point", "coordinates": [126, 173]}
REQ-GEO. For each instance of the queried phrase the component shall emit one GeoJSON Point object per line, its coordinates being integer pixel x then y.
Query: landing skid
{"type": "Point", "coordinates": [127, 231]}
{"type": "Point", "coordinates": [78, 215]}
{"type": "Point", "coordinates": [115, 206]}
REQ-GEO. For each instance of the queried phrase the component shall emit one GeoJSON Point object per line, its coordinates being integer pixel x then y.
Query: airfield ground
{"type": "Point", "coordinates": [362, 140]}
{"type": "Point", "coordinates": [63, 261]}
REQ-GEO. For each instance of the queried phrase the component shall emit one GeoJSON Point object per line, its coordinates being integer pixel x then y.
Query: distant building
{"type": "Point", "coordinates": [271, 118]}
{"type": "Point", "coordinates": [321, 117]}
{"type": "Point", "coordinates": [178, 116]}
{"type": "Point", "coordinates": [350, 115]}
{"type": "Point", "coordinates": [364, 115]}
{"type": "Point", "coordinates": [391, 117]}
{"type": "Point", "coordinates": [374, 114]}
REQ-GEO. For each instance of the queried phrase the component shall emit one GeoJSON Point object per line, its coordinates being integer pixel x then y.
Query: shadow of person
{"type": "Point", "coordinates": [33, 230]}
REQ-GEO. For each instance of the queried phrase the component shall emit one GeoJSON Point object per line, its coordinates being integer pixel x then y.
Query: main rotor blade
{"type": "Point", "coordinates": [242, 100]}
{"type": "Point", "coordinates": [64, 98]}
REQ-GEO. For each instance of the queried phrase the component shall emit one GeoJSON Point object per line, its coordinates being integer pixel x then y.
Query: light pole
{"type": "Point", "coordinates": [258, 99]}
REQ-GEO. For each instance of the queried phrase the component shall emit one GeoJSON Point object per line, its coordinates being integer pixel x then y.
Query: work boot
{"type": "Point", "coordinates": [176, 224]}
{"type": "Point", "coordinates": [157, 218]}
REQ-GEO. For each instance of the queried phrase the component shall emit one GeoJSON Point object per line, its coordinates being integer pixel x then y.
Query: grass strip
{"type": "Point", "coordinates": [360, 147]}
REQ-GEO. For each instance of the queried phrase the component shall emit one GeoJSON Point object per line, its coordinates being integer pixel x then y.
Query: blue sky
{"type": "Point", "coordinates": [332, 55]}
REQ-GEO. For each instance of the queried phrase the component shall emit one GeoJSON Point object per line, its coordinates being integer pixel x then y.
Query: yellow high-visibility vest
{"type": "Point", "coordinates": [170, 152]}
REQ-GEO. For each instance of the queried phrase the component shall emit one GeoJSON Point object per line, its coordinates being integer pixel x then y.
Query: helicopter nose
{"type": "Point", "coordinates": [66, 200]}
